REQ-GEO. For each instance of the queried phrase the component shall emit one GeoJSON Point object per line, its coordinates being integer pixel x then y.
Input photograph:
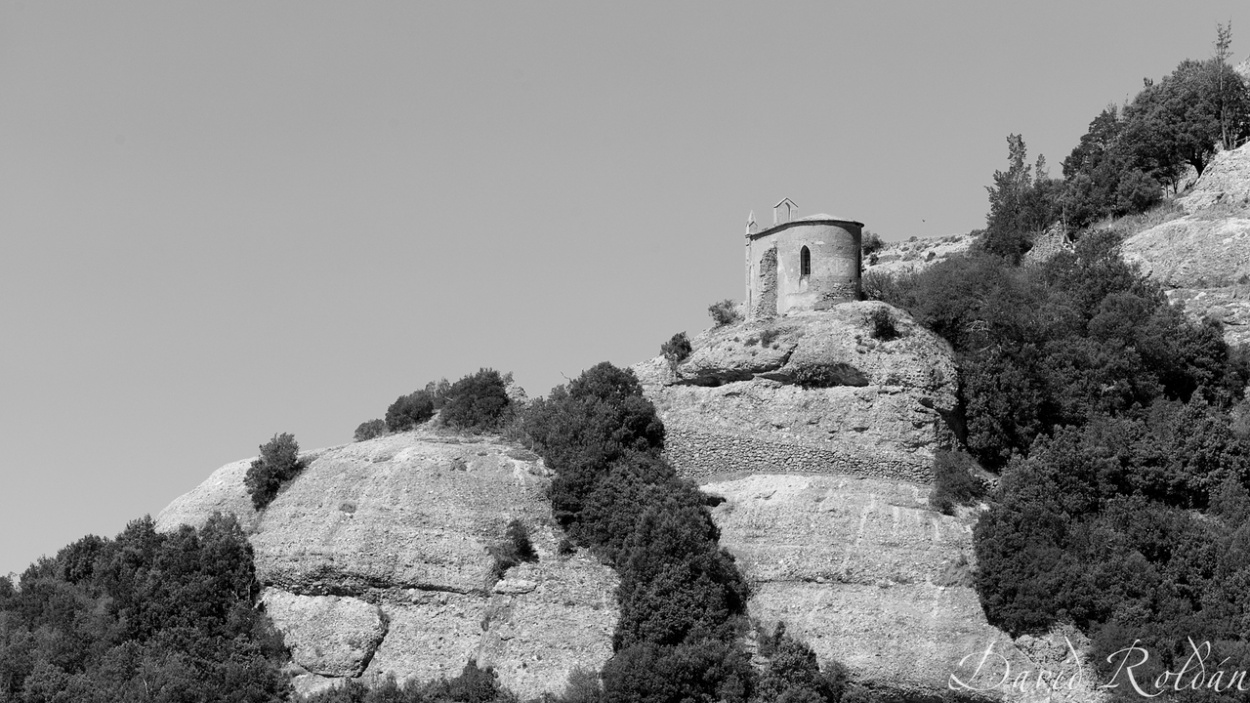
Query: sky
{"type": "Point", "coordinates": [221, 221]}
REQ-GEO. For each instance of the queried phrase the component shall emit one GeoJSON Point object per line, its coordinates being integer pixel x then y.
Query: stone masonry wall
{"type": "Point", "coordinates": [766, 296]}
{"type": "Point", "coordinates": [701, 456]}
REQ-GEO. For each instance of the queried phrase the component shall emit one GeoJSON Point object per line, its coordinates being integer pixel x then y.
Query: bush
{"type": "Point", "coordinates": [438, 391]}
{"type": "Point", "coordinates": [897, 289]}
{"type": "Point", "coordinates": [676, 350]}
{"type": "Point", "coordinates": [724, 312]}
{"type": "Point", "coordinates": [278, 463]}
{"type": "Point", "coordinates": [793, 674]}
{"type": "Point", "coordinates": [370, 429]}
{"type": "Point", "coordinates": [478, 402]}
{"type": "Point", "coordinates": [881, 324]}
{"type": "Point", "coordinates": [582, 429]}
{"type": "Point", "coordinates": [829, 376]}
{"type": "Point", "coordinates": [515, 548]}
{"type": "Point", "coordinates": [175, 610]}
{"type": "Point", "coordinates": [410, 410]}
{"type": "Point", "coordinates": [953, 482]}
{"type": "Point", "coordinates": [871, 243]}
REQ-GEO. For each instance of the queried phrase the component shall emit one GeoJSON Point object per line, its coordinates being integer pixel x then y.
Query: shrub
{"type": "Point", "coordinates": [871, 243]}
{"type": "Point", "coordinates": [515, 548]}
{"type": "Point", "coordinates": [724, 312]}
{"type": "Point", "coordinates": [767, 337]}
{"type": "Point", "coordinates": [881, 324]}
{"type": "Point", "coordinates": [370, 429]}
{"type": "Point", "coordinates": [897, 289]}
{"type": "Point", "coordinates": [829, 376]}
{"type": "Point", "coordinates": [700, 672]}
{"type": "Point", "coordinates": [438, 391]}
{"type": "Point", "coordinates": [953, 482]}
{"type": "Point", "coordinates": [676, 350]}
{"type": "Point", "coordinates": [580, 430]}
{"type": "Point", "coordinates": [410, 410]}
{"type": "Point", "coordinates": [793, 674]}
{"type": "Point", "coordinates": [278, 463]}
{"type": "Point", "coordinates": [478, 402]}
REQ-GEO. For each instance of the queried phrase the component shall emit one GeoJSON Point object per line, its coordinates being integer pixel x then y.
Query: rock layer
{"type": "Point", "coordinates": [826, 498]}
{"type": "Point", "coordinates": [738, 403]}
{"type": "Point", "coordinates": [376, 563]}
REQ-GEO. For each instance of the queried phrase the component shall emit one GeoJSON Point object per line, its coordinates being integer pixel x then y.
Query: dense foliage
{"type": "Point", "coordinates": [724, 312]}
{"type": "Point", "coordinates": [410, 410]}
{"type": "Point", "coordinates": [1082, 335]}
{"type": "Point", "coordinates": [953, 482]}
{"type": "Point", "coordinates": [1129, 158]}
{"type": "Point", "coordinates": [676, 350]}
{"type": "Point", "coordinates": [681, 596]}
{"type": "Point", "coordinates": [143, 617]}
{"type": "Point", "coordinates": [478, 402]}
{"type": "Point", "coordinates": [473, 685]}
{"type": "Point", "coordinates": [369, 429]}
{"type": "Point", "coordinates": [1118, 425]}
{"type": "Point", "coordinates": [277, 464]}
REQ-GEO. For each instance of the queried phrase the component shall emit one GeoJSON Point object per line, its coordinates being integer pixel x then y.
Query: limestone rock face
{"type": "Point", "coordinates": [375, 562]}
{"type": "Point", "coordinates": [738, 403]}
{"type": "Point", "coordinates": [1202, 254]}
{"type": "Point", "coordinates": [328, 635]}
{"type": "Point", "coordinates": [826, 498]}
{"type": "Point", "coordinates": [863, 571]}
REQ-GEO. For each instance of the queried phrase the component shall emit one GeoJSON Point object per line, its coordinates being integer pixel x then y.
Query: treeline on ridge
{"type": "Point", "coordinates": [1119, 427]}
{"type": "Point", "coordinates": [1130, 158]}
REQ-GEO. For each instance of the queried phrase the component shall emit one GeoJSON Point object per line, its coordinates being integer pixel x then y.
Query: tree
{"type": "Point", "coordinates": [676, 350]}
{"type": "Point", "coordinates": [278, 463]}
{"type": "Point", "coordinates": [478, 402]}
{"type": "Point", "coordinates": [1023, 202]}
{"type": "Point", "coordinates": [410, 410]}
{"type": "Point", "coordinates": [370, 429]}
{"type": "Point", "coordinates": [1180, 120]}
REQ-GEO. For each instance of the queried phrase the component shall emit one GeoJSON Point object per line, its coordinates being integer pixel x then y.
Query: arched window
{"type": "Point", "coordinates": [805, 262]}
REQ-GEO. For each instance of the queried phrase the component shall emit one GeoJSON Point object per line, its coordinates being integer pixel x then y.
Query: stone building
{"type": "Point", "coordinates": [801, 263]}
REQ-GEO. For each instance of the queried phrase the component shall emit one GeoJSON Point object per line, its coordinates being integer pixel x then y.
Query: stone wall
{"type": "Point", "coordinates": [703, 456]}
{"type": "Point", "coordinates": [774, 266]}
{"type": "Point", "coordinates": [764, 295]}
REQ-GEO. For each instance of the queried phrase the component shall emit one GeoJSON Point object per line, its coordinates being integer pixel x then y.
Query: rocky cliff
{"type": "Point", "coordinates": [1199, 247]}
{"type": "Point", "coordinates": [375, 562]}
{"type": "Point", "coordinates": [826, 495]}
{"type": "Point", "coordinates": [744, 398]}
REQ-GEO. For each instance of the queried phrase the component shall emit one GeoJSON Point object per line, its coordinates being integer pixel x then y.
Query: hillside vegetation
{"type": "Point", "coordinates": [1118, 426]}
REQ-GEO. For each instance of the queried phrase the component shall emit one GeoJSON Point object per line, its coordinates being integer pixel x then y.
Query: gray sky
{"type": "Point", "coordinates": [219, 221]}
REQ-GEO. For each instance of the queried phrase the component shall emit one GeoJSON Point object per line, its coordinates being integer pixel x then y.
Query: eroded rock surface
{"type": "Point", "coordinates": [739, 401]}
{"type": "Point", "coordinates": [375, 562]}
{"type": "Point", "coordinates": [826, 496]}
{"type": "Point", "coordinates": [328, 635]}
{"type": "Point", "coordinates": [1201, 254]}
